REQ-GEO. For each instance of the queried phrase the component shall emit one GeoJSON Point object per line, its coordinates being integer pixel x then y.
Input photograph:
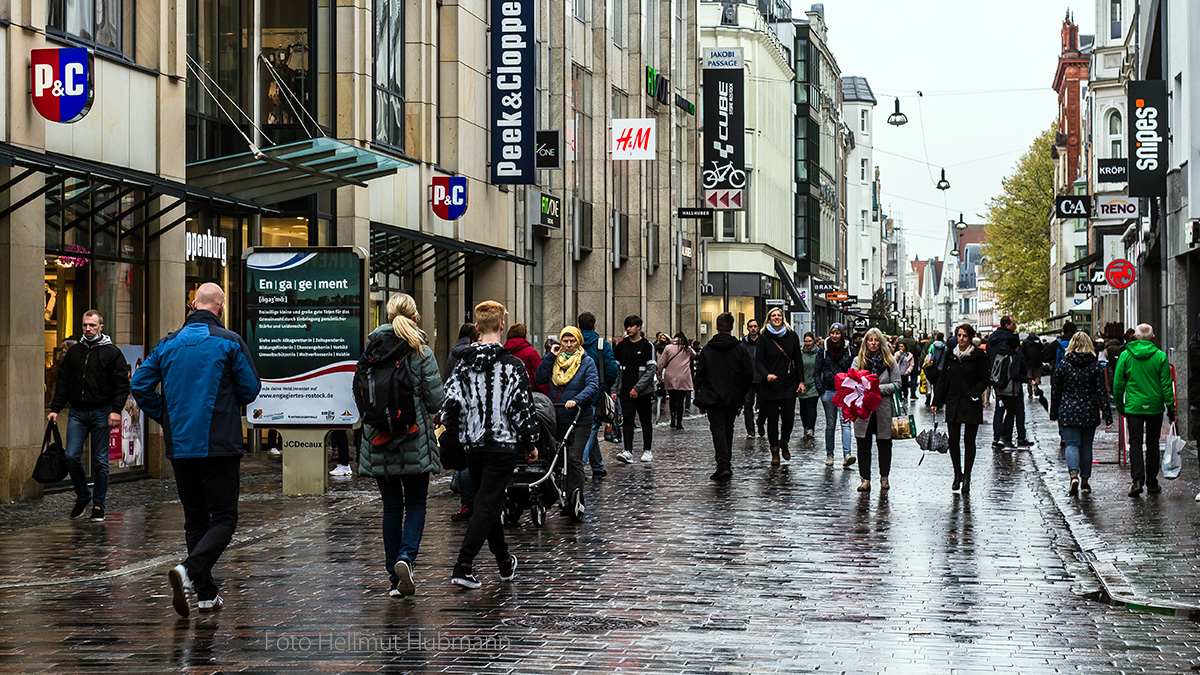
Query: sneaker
{"type": "Point", "coordinates": [750, 435]}
{"type": "Point", "coordinates": [647, 456]}
{"type": "Point", "coordinates": [405, 586]}
{"type": "Point", "coordinates": [849, 461]}
{"type": "Point", "coordinates": [80, 506]}
{"type": "Point", "coordinates": [597, 474]}
{"type": "Point", "coordinates": [341, 470]}
{"type": "Point", "coordinates": [394, 592]}
{"type": "Point", "coordinates": [1084, 486]}
{"type": "Point", "coordinates": [1074, 489]}
{"type": "Point", "coordinates": [998, 445]}
{"type": "Point", "coordinates": [1198, 496]}
{"type": "Point", "coordinates": [828, 460]}
{"type": "Point", "coordinates": [464, 514]}
{"type": "Point", "coordinates": [207, 606]}
{"type": "Point", "coordinates": [625, 456]}
{"type": "Point", "coordinates": [721, 474]}
{"type": "Point", "coordinates": [274, 452]}
{"type": "Point", "coordinates": [464, 577]}
{"type": "Point", "coordinates": [1135, 489]}
{"type": "Point", "coordinates": [508, 568]}
{"type": "Point", "coordinates": [181, 585]}
{"type": "Point", "coordinates": [1151, 488]}
{"type": "Point", "coordinates": [97, 514]}
{"type": "Point", "coordinates": [808, 434]}
{"type": "Point", "coordinates": [1024, 443]}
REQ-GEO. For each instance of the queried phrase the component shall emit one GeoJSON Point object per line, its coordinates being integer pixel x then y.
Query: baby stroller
{"type": "Point", "coordinates": [539, 484]}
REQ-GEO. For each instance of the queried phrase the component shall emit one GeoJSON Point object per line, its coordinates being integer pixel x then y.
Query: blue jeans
{"type": "Point", "coordinates": [833, 418]}
{"type": "Point", "coordinates": [403, 517]}
{"type": "Point", "coordinates": [81, 424]}
{"type": "Point", "coordinates": [466, 489]}
{"type": "Point", "coordinates": [1079, 449]}
{"type": "Point", "coordinates": [591, 451]}
{"type": "Point", "coordinates": [748, 409]}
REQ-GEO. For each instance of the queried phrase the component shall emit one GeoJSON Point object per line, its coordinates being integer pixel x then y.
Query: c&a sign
{"type": "Point", "coordinates": [448, 195]}
{"type": "Point", "coordinates": [61, 83]}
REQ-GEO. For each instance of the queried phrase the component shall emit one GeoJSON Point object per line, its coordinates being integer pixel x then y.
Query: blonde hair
{"type": "Point", "coordinates": [781, 315]}
{"type": "Point", "coordinates": [402, 312]}
{"type": "Point", "coordinates": [489, 316]}
{"type": "Point", "coordinates": [1081, 342]}
{"type": "Point", "coordinates": [888, 360]}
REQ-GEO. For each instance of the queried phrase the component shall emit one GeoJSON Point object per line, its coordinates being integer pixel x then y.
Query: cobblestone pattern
{"type": "Point", "coordinates": [783, 570]}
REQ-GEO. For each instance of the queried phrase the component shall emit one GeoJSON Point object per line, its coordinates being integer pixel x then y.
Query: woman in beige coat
{"type": "Point", "coordinates": [675, 371]}
{"type": "Point", "coordinates": [876, 357]}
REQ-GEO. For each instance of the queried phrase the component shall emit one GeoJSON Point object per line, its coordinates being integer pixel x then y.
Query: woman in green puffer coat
{"type": "Point", "coordinates": [402, 467]}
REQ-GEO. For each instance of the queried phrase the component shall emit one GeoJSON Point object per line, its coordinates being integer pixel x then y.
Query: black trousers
{"type": "Point", "coordinates": [721, 422]}
{"type": "Point", "coordinates": [1012, 410]}
{"type": "Point", "coordinates": [753, 396]}
{"type": "Point", "coordinates": [864, 452]}
{"type": "Point", "coordinates": [957, 441]}
{"type": "Point", "coordinates": [208, 490]}
{"type": "Point", "coordinates": [490, 472]}
{"type": "Point", "coordinates": [781, 417]}
{"type": "Point", "coordinates": [644, 406]}
{"type": "Point", "coordinates": [1144, 468]}
{"type": "Point", "coordinates": [678, 399]}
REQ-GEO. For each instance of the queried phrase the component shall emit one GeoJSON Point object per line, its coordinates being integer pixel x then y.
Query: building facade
{"type": "Point", "coordinates": [864, 232]}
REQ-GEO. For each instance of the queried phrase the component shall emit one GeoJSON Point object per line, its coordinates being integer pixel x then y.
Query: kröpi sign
{"type": "Point", "coordinates": [1148, 138]}
{"type": "Point", "coordinates": [513, 80]}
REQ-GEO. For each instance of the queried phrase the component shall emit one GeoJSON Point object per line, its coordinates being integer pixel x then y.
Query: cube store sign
{"type": "Point", "coordinates": [448, 195]}
{"type": "Point", "coordinates": [61, 83]}
{"type": "Point", "coordinates": [513, 97]}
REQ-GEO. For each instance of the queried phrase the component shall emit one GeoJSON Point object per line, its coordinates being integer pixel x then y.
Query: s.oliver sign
{"type": "Point", "coordinates": [513, 81]}
{"type": "Point", "coordinates": [61, 83]}
{"type": "Point", "coordinates": [1148, 138]}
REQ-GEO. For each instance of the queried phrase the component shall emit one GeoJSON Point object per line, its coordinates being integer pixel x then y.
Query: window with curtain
{"type": "Point", "coordinates": [1116, 137]}
{"type": "Point", "coordinates": [388, 87]}
{"type": "Point", "coordinates": [107, 24]}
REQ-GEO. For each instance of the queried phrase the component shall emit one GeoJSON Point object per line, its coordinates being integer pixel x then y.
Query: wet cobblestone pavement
{"type": "Point", "coordinates": [785, 569]}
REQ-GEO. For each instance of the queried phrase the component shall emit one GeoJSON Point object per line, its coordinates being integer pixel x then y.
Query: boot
{"type": "Point", "coordinates": [787, 454]}
{"type": "Point", "coordinates": [774, 455]}
{"type": "Point", "coordinates": [1074, 489]}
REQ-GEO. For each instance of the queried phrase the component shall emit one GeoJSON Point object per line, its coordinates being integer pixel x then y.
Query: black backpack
{"type": "Point", "coordinates": [1002, 371]}
{"type": "Point", "coordinates": [51, 465]}
{"type": "Point", "coordinates": [383, 388]}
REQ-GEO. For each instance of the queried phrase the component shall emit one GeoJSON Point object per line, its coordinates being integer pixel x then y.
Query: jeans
{"type": "Point", "coordinates": [914, 381]}
{"type": "Point", "coordinates": [1144, 468]}
{"type": "Point", "coordinates": [643, 405]}
{"type": "Point", "coordinates": [208, 490]}
{"type": "Point", "coordinates": [466, 489]}
{"type": "Point", "coordinates": [781, 417]}
{"type": "Point", "coordinates": [404, 500]}
{"type": "Point", "coordinates": [491, 471]}
{"type": "Point", "coordinates": [80, 425]}
{"type": "Point", "coordinates": [833, 419]}
{"type": "Point", "coordinates": [720, 423]}
{"type": "Point", "coordinates": [591, 451]}
{"type": "Point", "coordinates": [884, 446]}
{"type": "Point", "coordinates": [748, 410]}
{"type": "Point", "coordinates": [1079, 449]}
{"type": "Point", "coordinates": [808, 412]}
{"type": "Point", "coordinates": [678, 399]}
{"type": "Point", "coordinates": [957, 441]}
{"type": "Point", "coordinates": [1011, 413]}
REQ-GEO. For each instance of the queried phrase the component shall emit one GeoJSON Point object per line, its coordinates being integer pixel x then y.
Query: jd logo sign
{"type": "Point", "coordinates": [448, 195]}
{"type": "Point", "coordinates": [61, 83]}
{"type": "Point", "coordinates": [1073, 206]}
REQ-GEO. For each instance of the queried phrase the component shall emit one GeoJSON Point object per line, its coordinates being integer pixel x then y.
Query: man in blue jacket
{"type": "Point", "coordinates": [206, 376]}
{"type": "Point", "coordinates": [608, 369]}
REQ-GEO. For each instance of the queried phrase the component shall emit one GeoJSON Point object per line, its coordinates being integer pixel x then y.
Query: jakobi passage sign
{"type": "Point", "coordinates": [304, 310]}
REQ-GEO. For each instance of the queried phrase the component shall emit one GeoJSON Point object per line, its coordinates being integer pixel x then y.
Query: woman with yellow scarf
{"type": "Point", "coordinates": [574, 382]}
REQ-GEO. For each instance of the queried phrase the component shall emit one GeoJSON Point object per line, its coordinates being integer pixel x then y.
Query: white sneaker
{"type": "Point", "coordinates": [828, 460]}
{"type": "Point", "coordinates": [181, 586]}
{"type": "Point", "coordinates": [341, 470]}
{"type": "Point", "coordinates": [647, 456]}
{"type": "Point", "coordinates": [213, 605]}
{"type": "Point", "coordinates": [406, 585]}
{"type": "Point", "coordinates": [1198, 496]}
{"type": "Point", "coordinates": [625, 456]}
{"type": "Point", "coordinates": [274, 452]}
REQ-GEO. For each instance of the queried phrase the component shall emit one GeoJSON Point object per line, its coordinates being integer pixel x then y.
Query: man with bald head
{"type": "Point", "coordinates": [1142, 391]}
{"type": "Point", "coordinates": [194, 384]}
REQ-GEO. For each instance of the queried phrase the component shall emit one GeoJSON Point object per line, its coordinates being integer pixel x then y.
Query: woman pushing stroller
{"type": "Point", "coordinates": [574, 383]}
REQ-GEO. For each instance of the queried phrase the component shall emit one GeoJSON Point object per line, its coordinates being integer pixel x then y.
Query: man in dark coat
{"type": "Point", "coordinates": [723, 376]}
{"type": "Point", "coordinates": [754, 393]}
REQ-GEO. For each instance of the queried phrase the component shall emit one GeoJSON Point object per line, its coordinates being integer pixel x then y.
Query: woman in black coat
{"type": "Point", "coordinates": [778, 361]}
{"type": "Point", "coordinates": [960, 390]}
{"type": "Point", "coordinates": [1078, 396]}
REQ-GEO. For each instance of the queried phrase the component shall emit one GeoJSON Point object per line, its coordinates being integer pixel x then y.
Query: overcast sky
{"type": "Point", "coordinates": [943, 48]}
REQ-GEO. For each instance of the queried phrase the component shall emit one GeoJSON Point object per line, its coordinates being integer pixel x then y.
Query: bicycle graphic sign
{"type": "Point", "coordinates": [723, 172]}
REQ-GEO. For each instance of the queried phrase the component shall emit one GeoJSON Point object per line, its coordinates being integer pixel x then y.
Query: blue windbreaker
{"type": "Point", "coordinates": [206, 376]}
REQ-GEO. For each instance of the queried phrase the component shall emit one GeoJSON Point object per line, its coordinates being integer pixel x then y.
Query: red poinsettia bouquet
{"type": "Point", "coordinates": [857, 394]}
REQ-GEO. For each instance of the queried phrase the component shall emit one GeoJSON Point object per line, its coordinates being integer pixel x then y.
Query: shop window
{"type": "Point", "coordinates": [288, 84]}
{"type": "Point", "coordinates": [107, 24]}
{"type": "Point", "coordinates": [285, 231]}
{"type": "Point", "coordinates": [214, 43]}
{"type": "Point", "coordinates": [214, 249]}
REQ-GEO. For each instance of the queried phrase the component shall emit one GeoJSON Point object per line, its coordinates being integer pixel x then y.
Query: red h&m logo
{"type": "Point", "coordinates": [61, 82]}
{"type": "Point", "coordinates": [448, 195]}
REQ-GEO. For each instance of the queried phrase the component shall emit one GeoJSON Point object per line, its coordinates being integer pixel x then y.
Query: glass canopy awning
{"type": "Point", "coordinates": [278, 173]}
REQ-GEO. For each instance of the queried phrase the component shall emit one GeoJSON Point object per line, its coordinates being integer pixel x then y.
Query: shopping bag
{"type": "Point", "coordinates": [1172, 460]}
{"type": "Point", "coordinates": [904, 425]}
{"type": "Point", "coordinates": [924, 387]}
{"type": "Point", "coordinates": [51, 465]}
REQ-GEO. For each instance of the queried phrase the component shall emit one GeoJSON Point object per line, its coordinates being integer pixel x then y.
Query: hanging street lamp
{"type": "Point", "coordinates": [943, 184]}
{"type": "Point", "coordinates": [897, 118]}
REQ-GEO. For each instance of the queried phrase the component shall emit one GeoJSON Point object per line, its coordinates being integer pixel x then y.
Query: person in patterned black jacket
{"type": "Point", "coordinates": [489, 406]}
{"type": "Point", "coordinates": [1078, 397]}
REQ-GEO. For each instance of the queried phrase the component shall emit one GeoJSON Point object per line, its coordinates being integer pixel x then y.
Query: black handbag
{"type": "Point", "coordinates": [450, 448]}
{"type": "Point", "coordinates": [51, 465]}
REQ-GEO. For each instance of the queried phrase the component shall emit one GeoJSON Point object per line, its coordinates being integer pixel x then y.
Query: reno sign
{"type": "Point", "coordinates": [61, 83]}
{"type": "Point", "coordinates": [1116, 207]}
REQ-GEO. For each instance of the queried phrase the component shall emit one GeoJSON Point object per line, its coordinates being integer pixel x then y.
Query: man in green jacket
{"type": "Point", "coordinates": [1142, 391]}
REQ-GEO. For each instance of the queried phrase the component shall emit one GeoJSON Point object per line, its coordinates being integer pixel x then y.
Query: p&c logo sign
{"type": "Point", "coordinates": [61, 83]}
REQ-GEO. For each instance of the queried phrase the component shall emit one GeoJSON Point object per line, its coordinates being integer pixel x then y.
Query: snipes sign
{"type": "Point", "coordinates": [61, 83]}
{"type": "Point", "coordinates": [1148, 138]}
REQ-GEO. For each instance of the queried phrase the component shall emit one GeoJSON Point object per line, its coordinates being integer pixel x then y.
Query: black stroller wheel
{"type": "Point", "coordinates": [538, 514]}
{"type": "Point", "coordinates": [575, 506]}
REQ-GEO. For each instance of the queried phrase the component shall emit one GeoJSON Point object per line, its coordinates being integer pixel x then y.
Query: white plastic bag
{"type": "Point", "coordinates": [1172, 460]}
